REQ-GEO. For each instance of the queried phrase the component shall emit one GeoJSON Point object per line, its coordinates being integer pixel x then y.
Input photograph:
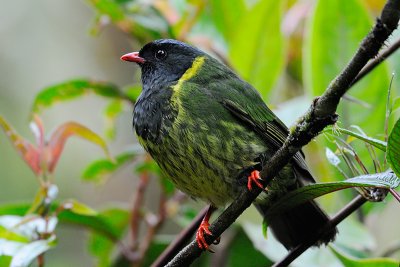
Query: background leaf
{"type": "Point", "coordinates": [350, 261]}
{"type": "Point", "coordinates": [393, 148]}
{"type": "Point", "coordinates": [30, 251]}
{"type": "Point", "coordinates": [111, 113]}
{"type": "Point", "coordinates": [308, 192]}
{"type": "Point", "coordinates": [99, 223]}
{"type": "Point", "coordinates": [372, 141]}
{"type": "Point", "coordinates": [27, 151]}
{"type": "Point", "coordinates": [254, 257]}
{"type": "Point", "coordinates": [329, 46]}
{"type": "Point", "coordinates": [257, 48]}
{"type": "Point", "coordinates": [99, 170]}
{"type": "Point", "coordinates": [226, 15]}
{"type": "Point", "coordinates": [63, 132]}
{"type": "Point", "coordinates": [10, 235]}
{"type": "Point", "coordinates": [79, 208]}
{"type": "Point", "coordinates": [73, 89]}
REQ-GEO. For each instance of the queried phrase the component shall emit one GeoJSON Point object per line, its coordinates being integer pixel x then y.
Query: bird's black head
{"type": "Point", "coordinates": [163, 61]}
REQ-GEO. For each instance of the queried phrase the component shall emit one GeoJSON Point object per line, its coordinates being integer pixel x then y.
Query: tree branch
{"type": "Point", "coordinates": [378, 60]}
{"type": "Point", "coordinates": [320, 114]}
{"type": "Point", "coordinates": [356, 203]}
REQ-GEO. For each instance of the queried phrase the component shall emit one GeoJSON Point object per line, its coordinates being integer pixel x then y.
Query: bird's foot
{"type": "Point", "coordinates": [200, 235]}
{"type": "Point", "coordinates": [255, 178]}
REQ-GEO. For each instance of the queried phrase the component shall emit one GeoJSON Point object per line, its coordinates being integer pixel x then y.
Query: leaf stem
{"type": "Point", "coordinates": [395, 194]}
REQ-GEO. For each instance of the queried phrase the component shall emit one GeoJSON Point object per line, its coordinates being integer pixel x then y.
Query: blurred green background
{"type": "Point", "coordinates": [289, 50]}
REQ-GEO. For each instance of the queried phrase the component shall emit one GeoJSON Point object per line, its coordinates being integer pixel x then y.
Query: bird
{"type": "Point", "coordinates": [210, 132]}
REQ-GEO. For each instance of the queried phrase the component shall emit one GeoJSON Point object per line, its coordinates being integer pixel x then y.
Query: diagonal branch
{"type": "Point", "coordinates": [378, 60]}
{"type": "Point", "coordinates": [321, 114]}
{"type": "Point", "coordinates": [356, 203]}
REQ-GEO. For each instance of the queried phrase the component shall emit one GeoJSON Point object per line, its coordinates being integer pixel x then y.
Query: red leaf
{"type": "Point", "coordinates": [59, 137]}
{"type": "Point", "coordinates": [27, 151]}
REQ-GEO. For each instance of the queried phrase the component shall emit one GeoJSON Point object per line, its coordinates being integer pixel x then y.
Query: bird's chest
{"type": "Point", "coordinates": [184, 147]}
{"type": "Point", "coordinates": [153, 116]}
{"type": "Point", "coordinates": [191, 164]}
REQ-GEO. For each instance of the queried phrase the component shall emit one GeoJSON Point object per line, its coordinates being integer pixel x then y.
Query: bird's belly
{"type": "Point", "coordinates": [203, 164]}
{"type": "Point", "coordinates": [190, 173]}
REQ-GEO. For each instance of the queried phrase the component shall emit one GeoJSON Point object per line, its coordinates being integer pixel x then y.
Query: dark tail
{"type": "Point", "coordinates": [299, 224]}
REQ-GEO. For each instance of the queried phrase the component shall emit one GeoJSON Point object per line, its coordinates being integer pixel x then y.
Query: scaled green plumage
{"type": "Point", "coordinates": [208, 129]}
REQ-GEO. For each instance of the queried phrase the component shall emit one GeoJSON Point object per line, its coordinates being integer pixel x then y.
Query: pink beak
{"type": "Point", "coordinates": [133, 57]}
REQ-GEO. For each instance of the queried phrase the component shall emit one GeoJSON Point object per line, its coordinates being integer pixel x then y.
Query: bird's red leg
{"type": "Point", "coordinates": [254, 177]}
{"type": "Point", "coordinates": [203, 229]}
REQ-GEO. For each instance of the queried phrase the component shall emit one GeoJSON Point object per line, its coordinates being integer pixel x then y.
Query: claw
{"type": "Point", "coordinates": [200, 235]}
{"type": "Point", "coordinates": [216, 241]}
{"type": "Point", "coordinates": [254, 177]}
{"type": "Point", "coordinates": [203, 230]}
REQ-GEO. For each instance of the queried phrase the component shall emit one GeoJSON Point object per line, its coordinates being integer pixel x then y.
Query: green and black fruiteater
{"type": "Point", "coordinates": [210, 132]}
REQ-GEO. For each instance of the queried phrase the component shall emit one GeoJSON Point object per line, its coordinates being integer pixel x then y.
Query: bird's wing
{"type": "Point", "coordinates": [245, 103]}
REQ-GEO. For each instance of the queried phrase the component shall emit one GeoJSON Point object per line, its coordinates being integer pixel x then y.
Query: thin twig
{"type": "Point", "coordinates": [40, 260]}
{"type": "Point", "coordinates": [395, 194]}
{"type": "Point", "coordinates": [356, 203]}
{"type": "Point", "coordinates": [391, 249]}
{"type": "Point", "coordinates": [378, 60]}
{"type": "Point", "coordinates": [154, 223]}
{"type": "Point", "coordinates": [136, 214]}
{"type": "Point", "coordinates": [180, 240]}
{"type": "Point", "coordinates": [321, 114]}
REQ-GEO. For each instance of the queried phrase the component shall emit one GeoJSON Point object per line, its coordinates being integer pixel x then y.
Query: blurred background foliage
{"type": "Point", "coordinates": [54, 51]}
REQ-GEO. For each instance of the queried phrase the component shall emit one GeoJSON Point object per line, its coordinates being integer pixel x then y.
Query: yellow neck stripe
{"type": "Point", "coordinates": [190, 72]}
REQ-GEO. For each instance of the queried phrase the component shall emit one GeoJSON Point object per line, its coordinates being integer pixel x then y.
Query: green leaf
{"type": "Point", "coordinates": [257, 49]}
{"type": "Point", "coordinates": [79, 208]}
{"type": "Point", "coordinates": [14, 209]}
{"type": "Point", "coordinates": [27, 253]}
{"type": "Point", "coordinates": [275, 251]}
{"type": "Point", "coordinates": [242, 245]}
{"type": "Point", "coordinates": [29, 226]}
{"type": "Point", "coordinates": [38, 201]}
{"type": "Point", "coordinates": [5, 260]}
{"type": "Point", "coordinates": [71, 90]}
{"type": "Point", "coordinates": [167, 185]}
{"type": "Point", "coordinates": [335, 31]}
{"type": "Point", "coordinates": [306, 193]}
{"type": "Point", "coordinates": [355, 237]}
{"type": "Point", "coordinates": [396, 104]}
{"type": "Point", "coordinates": [372, 141]}
{"type": "Point", "coordinates": [112, 111]}
{"type": "Point", "coordinates": [11, 235]}
{"type": "Point", "coordinates": [99, 170]}
{"type": "Point", "coordinates": [111, 8]}
{"type": "Point", "coordinates": [102, 223]}
{"type": "Point", "coordinates": [157, 246]}
{"type": "Point", "coordinates": [143, 22]}
{"type": "Point", "coordinates": [226, 15]}
{"type": "Point", "coordinates": [393, 148]}
{"type": "Point", "coordinates": [63, 132]}
{"type": "Point", "coordinates": [350, 261]}
{"type": "Point", "coordinates": [150, 166]}
{"type": "Point", "coordinates": [102, 247]}
{"type": "Point", "coordinates": [132, 92]}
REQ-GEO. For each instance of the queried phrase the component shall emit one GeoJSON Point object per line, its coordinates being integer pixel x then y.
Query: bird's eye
{"type": "Point", "coordinates": [160, 54]}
